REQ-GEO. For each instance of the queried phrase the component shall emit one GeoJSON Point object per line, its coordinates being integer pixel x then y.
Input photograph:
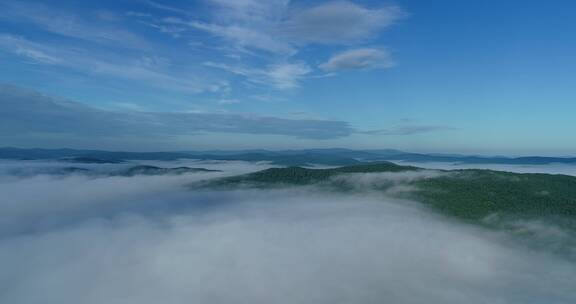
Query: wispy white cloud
{"type": "Point", "coordinates": [286, 75]}
{"type": "Point", "coordinates": [142, 73]}
{"type": "Point", "coordinates": [359, 59]}
{"type": "Point", "coordinates": [281, 76]}
{"type": "Point", "coordinates": [152, 70]}
{"type": "Point", "coordinates": [275, 31]}
{"type": "Point", "coordinates": [27, 49]}
{"type": "Point", "coordinates": [70, 25]}
{"type": "Point", "coordinates": [249, 11]}
{"type": "Point", "coordinates": [137, 14]}
{"type": "Point", "coordinates": [166, 7]}
{"type": "Point", "coordinates": [257, 40]}
{"type": "Point", "coordinates": [274, 27]}
{"type": "Point", "coordinates": [175, 31]}
{"type": "Point", "coordinates": [246, 37]}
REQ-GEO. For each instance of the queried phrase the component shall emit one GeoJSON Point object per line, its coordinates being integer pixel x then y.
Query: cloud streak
{"type": "Point", "coordinates": [150, 70]}
{"type": "Point", "coordinates": [28, 115]}
{"type": "Point", "coordinates": [408, 130]}
{"type": "Point", "coordinates": [27, 49]}
{"type": "Point", "coordinates": [26, 112]}
{"type": "Point", "coordinates": [69, 25]}
{"type": "Point", "coordinates": [281, 76]}
{"type": "Point", "coordinates": [359, 59]}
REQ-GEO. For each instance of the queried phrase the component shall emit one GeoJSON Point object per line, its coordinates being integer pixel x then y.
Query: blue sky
{"type": "Point", "coordinates": [483, 77]}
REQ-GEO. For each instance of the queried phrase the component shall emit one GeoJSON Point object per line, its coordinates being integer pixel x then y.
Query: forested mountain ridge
{"type": "Point", "coordinates": [304, 176]}
{"type": "Point", "coordinates": [468, 194]}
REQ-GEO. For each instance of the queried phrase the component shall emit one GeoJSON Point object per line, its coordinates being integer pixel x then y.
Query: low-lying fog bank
{"type": "Point", "coordinates": [567, 169]}
{"type": "Point", "coordinates": [149, 239]}
{"type": "Point", "coordinates": [16, 169]}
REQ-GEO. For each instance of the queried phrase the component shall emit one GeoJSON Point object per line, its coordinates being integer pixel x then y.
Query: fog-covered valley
{"type": "Point", "coordinates": [552, 168]}
{"type": "Point", "coordinates": [78, 238]}
{"type": "Point", "coordinates": [287, 152]}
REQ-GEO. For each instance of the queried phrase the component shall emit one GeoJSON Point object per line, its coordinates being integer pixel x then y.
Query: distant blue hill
{"type": "Point", "coordinates": [331, 157]}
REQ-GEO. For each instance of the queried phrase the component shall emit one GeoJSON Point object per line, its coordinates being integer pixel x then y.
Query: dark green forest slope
{"type": "Point", "coordinates": [467, 194]}
{"type": "Point", "coordinates": [304, 176]}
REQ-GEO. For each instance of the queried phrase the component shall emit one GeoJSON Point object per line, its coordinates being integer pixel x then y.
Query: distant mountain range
{"type": "Point", "coordinates": [330, 157]}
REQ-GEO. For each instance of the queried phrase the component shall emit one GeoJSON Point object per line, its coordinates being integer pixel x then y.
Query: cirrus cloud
{"type": "Point", "coordinates": [276, 31]}
{"type": "Point", "coordinates": [359, 59]}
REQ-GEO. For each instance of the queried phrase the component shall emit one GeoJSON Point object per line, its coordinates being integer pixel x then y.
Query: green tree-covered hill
{"type": "Point", "coordinates": [467, 194]}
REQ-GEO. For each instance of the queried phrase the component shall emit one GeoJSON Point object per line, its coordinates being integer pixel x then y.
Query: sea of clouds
{"type": "Point", "coordinates": [152, 239]}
